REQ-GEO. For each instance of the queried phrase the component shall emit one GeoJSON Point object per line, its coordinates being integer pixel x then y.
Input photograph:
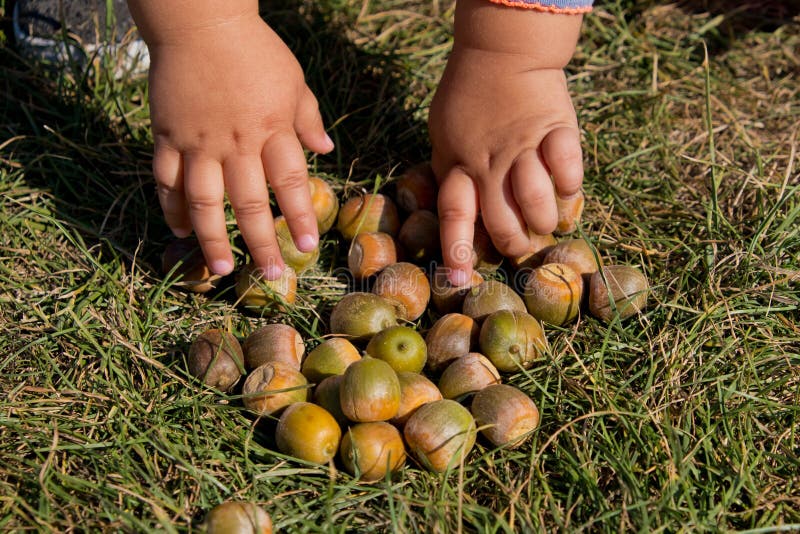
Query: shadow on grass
{"type": "Point", "coordinates": [85, 140]}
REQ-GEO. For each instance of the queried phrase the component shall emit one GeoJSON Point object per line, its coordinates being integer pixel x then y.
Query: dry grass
{"type": "Point", "coordinates": [684, 418]}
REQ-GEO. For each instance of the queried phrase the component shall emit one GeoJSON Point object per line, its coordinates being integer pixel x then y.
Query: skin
{"type": "Point", "coordinates": [231, 113]}
{"type": "Point", "coordinates": [503, 129]}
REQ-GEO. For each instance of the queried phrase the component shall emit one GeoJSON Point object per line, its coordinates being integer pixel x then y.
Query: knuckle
{"type": "Point", "coordinates": [509, 242]}
{"type": "Point", "coordinates": [251, 207]}
{"type": "Point", "coordinates": [291, 179]}
{"type": "Point", "coordinates": [202, 203]}
{"type": "Point", "coordinates": [449, 213]}
{"type": "Point", "coordinates": [302, 219]}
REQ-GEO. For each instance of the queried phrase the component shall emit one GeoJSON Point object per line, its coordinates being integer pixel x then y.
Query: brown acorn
{"type": "Point", "coordinates": [292, 256]}
{"type": "Point", "coordinates": [324, 203]}
{"type": "Point", "coordinates": [450, 337]}
{"type": "Point", "coordinates": [326, 394]}
{"type": "Point", "coordinates": [440, 434]}
{"type": "Point", "coordinates": [446, 297]}
{"type": "Point", "coordinates": [192, 271]}
{"type": "Point", "coordinates": [370, 391]}
{"type": "Point", "coordinates": [416, 189]}
{"type": "Point", "coordinates": [331, 357]}
{"type": "Point", "coordinates": [625, 286]}
{"type": "Point", "coordinates": [255, 291]}
{"type": "Point", "coordinates": [359, 316]}
{"type": "Point", "coordinates": [576, 253]}
{"type": "Point", "coordinates": [466, 375]}
{"type": "Point", "coordinates": [368, 213]}
{"type": "Point", "coordinates": [505, 415]}
{"type": "Point", "coordinates": [419, 236]}
{"type": "Point", "coordinates": [489, 297]}
{"type": "Point", "coordinates": [415, 390]}
{"type": "Point", "coordinates": [308, 432]}
{"type": "Point", "coordinates": [370, 252]}
{"type": "Point", "coordinates": [371, 450]}
{"type": "Point", "coordinates": [271, 343]}
{"type": "Point", "coordinates": [216, 358]}
{"type": "Point", "coordinates": [407, 285]}
{"type": "Point", "coordinates": [233, 517]}
{"type": "Point", "coordinates": [272, 387]}
{"type": "Point", "coordinates": [569, 213]}
{"type": "Point", "coordinates": [512, 340]}
{"type": "Point", "coordinates": [553, 293]}
{"type": "Point", "coordinates": [485, 257]}
{"type": "Point", "coordinates": [540, 246]}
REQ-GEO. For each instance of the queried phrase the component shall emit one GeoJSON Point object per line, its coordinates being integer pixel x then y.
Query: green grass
{"type": "Point", "coordinates": [685, 418]}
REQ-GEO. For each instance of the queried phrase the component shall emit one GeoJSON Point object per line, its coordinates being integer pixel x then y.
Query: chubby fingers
{"type": "Point", "coordinates": [247, 191]}
{"type": "Point", "coordinates": [561, 150]}
{"type": "Point", "coordinates": [458, 209]}
{"type": "Point", "coordinates": [501, 215]}
{"type": "Point", "coordinates": [168, 173]}
{"type": "Point", "coordinates": [205, 193]}
{"type": "Point", "coordinates": [285, 166]}
{"type": "Point", "coordinates": [533, 192]}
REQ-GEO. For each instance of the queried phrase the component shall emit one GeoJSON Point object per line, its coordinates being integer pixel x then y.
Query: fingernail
{"type": "Point", "coordinates": [306, 243]}
{"type": "Point", "coordinates": [181, 232]}
{"type": "Point", "coordinates": [458, 277]}
{"type": "Point", "coordinates": [221, 267]}
{"type": "Point", "coordinates": [329, 142]}
{"type": "Point", "coordinates": [273, 272]}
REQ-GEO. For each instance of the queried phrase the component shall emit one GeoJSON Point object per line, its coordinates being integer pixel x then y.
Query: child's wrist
{"type": "Point", "coordinates": [559, 7]}
{"type": "Point", "coordinates": [547, 39]}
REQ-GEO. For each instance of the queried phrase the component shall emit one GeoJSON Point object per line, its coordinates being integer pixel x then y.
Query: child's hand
{"type": "Point", "coordinates": [230, 113]}
{"type": "Point", "coordinates": [501, 125]}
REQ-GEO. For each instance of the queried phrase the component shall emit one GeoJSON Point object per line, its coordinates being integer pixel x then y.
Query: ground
{"type": "Point", "coordinates": [684, 418]}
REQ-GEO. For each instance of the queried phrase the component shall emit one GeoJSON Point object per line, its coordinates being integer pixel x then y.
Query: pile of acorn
{"type": "Point", "coordinates": [377, 388]}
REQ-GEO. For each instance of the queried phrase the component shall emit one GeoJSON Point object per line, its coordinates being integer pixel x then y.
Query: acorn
{"type": "Point", "coordinates": [624, 286]}
{"type": "Point", "coordinates": [576, 253]}
{"type": "Point", "coordinates": [235, 517]}
{"type": "Point", "coordinates": [415, 390]}
{"type": "Point", "coordinates": [361, 315]}
{"type": "Point", "coordinates": [368, 213]}
{"type": "Point", "coordinates": [274, 343]}
{"type": "Point", "coordinates": [553, 293]}
{"type": "Point", "coordinates": [186, 257]}
{"type": "Point", "coordinates": [416, 189]}
{"type": "Point", "coordinates": [405, 284]}
{"type": "Point", "coordinates": [326, 394]}
{"type": "Point", "coordinates": [216, 358]}
{"type": "Point", "coordinates": [451, 336]}
{"type": "Point", "coordinates": [370, 252]}
{"type": "Point", "coordinates": [402, 347]}
{"type": "Point", "coordinates": [538, 249]}
{"type": "Point", "coordinates": [308, 432]}
{"type": "Point", "coordinates": [446, 297]}
{"type": "Point", "coordinates": [505, 415]}
{"type": "Point", "coordinates": [466, 375]}
{"type": "Point", "coordinates": [371, 450]}
{"type": "Point", "coordinates": [569, 213]}
{"type": "Point", "coordinates": [440, 434]}
{"type": "Point", "coordinates": [485, 257]}
{"type": "Point", "coordinates": [512, 340]}
{"type": "Point", "coordinates": [370, 391]}
{"type": "Point", "coordinates": [419, 236]}
{"type": "Point", "coordinates": [324, 203]}
{"type": "Point", "coordinates": [272, 387]}
{"type": "Point", "coordinates": [292, 256]}
{"type": "Point", "coordinates": [255, 291]}
{"type": "Point", "coordinates": [331, 357]}
{"type": "Point", "coordinates": [489, 297]}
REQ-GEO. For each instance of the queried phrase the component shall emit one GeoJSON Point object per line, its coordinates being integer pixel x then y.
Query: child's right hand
{"type": "Point", "coordinates": [230, 112]}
